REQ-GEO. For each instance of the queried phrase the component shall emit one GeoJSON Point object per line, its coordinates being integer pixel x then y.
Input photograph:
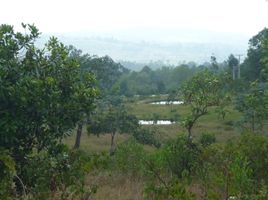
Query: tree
{"type": "Point", "coordinates": [265, 59]}
{"type": "Point", "coordinates": [181, 156]}
{"type": "Point", "coordinates": [214, 63]}
{"type": "Point", "coordinates": [253, 65]}
{"type": "Point", "coordinates": [106, 71]}
{"type": "Point", "coordinates": [233, 63]}
{"type": "Point", "coordinates": [204, 90]}
{"type": "Point", "coordinates": [111, 121]}
{"type": "Point", "coordinates": [254, 106]}
{"type": "Point", "coordinates": [42, 97]}
{"type": "Point", "coordinates": [82, 60]}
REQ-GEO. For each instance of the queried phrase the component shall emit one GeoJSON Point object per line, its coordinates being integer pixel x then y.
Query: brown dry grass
{"type": "Point", "coordinates": [117, 187]}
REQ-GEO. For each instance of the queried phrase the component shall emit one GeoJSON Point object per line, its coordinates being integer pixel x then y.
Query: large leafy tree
{"type": "Point", "coordinates": [253, 67]}
{"type": "Point", "coordinates": [106, 72]}
{"type": "Point", "coordinates": [42, 96]}
{"type": "Point", "coordinates": [201, 92]}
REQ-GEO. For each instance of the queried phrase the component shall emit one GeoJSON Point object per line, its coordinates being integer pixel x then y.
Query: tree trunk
{"type": "Point", "coordinates": [112, 149]}
{"type": "Point", "coordinates": [253, 122]}
{"type": "Point", "coordinates": [189, 129]}
{"type": "Point", "coordinates": [78, 135]}
{"type": "Point", "coordinates": [227, 185]}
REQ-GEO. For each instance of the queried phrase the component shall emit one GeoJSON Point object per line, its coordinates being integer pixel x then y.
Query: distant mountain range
{"type": "Point", "coordinates": [150, 45]}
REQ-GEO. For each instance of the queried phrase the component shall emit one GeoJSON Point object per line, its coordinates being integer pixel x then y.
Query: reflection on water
{"type": "Point", "coordinates": [158, 122]}
{"type": "Point", "coordinates": [167, 102]}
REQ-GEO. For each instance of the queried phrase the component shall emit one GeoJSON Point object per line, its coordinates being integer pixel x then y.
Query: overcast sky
{"type": "Point", "coordinates": [61, 16]}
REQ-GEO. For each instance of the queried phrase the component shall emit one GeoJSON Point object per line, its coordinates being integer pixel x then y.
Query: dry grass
{"type": "Point", "coordinates": [223, 129]}
{"type": "Point", "coordinates": [93, 143]}
{"type": "Point", "coordinates": [117, 187]}
{"type": "Point", "coordinates": [122, 187]}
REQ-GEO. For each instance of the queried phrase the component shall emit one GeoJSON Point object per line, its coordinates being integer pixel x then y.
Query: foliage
{"type": "Point", "coordinates": [172, 190]}
{"type": "Point", "coordinates": [106, 71]}
{"type": "Point", "coordinates": [254, 106]}
{"type": "Point", "coordinates": [265, 59]}
{"type": "Point", "coordinates": [40, 92]}
{"type": "Point", "coordinates": [159, 81]}
{"type": "Point", "coordinates": [112, 121]}
{"type": "Point", "coordinates": [42, 98]}
{"type": "Point", "coordinates": [181, 156]}
{"type": "Point", "coordinates": [255, 148]}
{"type": "Point", "coordinates": [261, 195]}
{"type": "Point", "coordinates": [207, 139]}
{"type": "Point", "coordinates": [146, 136]}
{"type": "Point", "coordinates": [7, 173]}
{"type": "Point", "coordinates": [232, 62]}
{"type": "Point", "coordinates": [129, 158]}
{"type": "Point", "coordinates": [204, 90]}
{"type": "Point", "coordinates": [61, 173]}
{"type": "Point", "coordinates": [224, 168]}
{"type": "Point", "coordinates": [253, 66]}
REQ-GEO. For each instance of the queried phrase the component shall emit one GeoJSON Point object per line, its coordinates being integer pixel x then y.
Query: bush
{"type": "Point", "coordinates": [62, 174]}
{"type": "Point", "coordinates": [207, 139]}
{"type": "Point", "coordinates": [7, 172]}
{"type": "Point", "coordinates": [181, 156]}
{"type": "Point", "coordinates": [172, 190]}
{"type": "Point", "coordinates": [255, 148]}
{"type": "Point", "coordinates": [145, 136]}
{"type": "Point", "coordinates": [129, 158]}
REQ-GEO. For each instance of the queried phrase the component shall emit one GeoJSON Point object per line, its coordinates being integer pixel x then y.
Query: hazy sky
{"type": "Point", "coordinates": [240, 16]}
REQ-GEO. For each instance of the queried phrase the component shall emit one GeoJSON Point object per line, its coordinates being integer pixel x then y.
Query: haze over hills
{"type": "Point", "coordinates": [168, 46]}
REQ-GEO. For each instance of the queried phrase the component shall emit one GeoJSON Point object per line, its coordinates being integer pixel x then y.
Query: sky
{"type": "Point", "coordinates": [65, 16]}
{"type": "Point", "coordinates": [224, 26]}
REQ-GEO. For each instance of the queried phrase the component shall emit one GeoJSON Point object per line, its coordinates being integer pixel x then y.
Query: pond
{"type": "Point", "coordinates": [167, 102]}
{"type": "Point", "coordinates": [158, 122]}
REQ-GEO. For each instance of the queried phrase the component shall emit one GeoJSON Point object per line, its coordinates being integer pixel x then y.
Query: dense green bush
{"type": "Point", "coordinates": [255, 148]}
{"type": "Point", "coordinates": [61, 174]}
{"type": "Point", "coordinates": [181, 156]}
{"type": "Point", "coordinates": [130, 157]}
{"type": "Point", "coordinates": [146, 136]}
{"type": "Point", "coordinates": [7, 173]}
{"type": "Point", "coordinates": [207, 139]}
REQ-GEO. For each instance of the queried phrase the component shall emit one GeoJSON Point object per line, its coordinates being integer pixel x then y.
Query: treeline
{"type": "Point", "coordinates": [115, 79]}
{"type": "Point", "coordinates": [159, 81]}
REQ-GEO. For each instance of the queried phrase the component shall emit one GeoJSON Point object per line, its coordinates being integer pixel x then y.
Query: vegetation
{"type": "Point", "coordinates": [46, 95]}
{"type": "Point", "coordinates": [42, 99]}
{"type": "Point", "coordinates": [201, 92]}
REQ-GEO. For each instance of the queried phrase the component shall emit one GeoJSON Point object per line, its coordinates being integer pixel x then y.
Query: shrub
{"type": "Point", "coordinates": [62, 174]}
{"type": "Point", "coordinates": [145, 136]}
{"type": "Point", "coordinates": [181, 156]}
{"type": "Point", "coordinates": [207, 139]}
{"type": "Point", "coordinates": [172, 190]}
{"type": "Point", "coordinates": [129, 157]}
{"type": "Point", "coordinates": [7, 172]}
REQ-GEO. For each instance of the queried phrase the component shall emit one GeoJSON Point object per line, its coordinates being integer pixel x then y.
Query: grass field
{"type": "Point", "coordinates": [118, 186]}
{"type": "Point", "coordinates": [223, 129]}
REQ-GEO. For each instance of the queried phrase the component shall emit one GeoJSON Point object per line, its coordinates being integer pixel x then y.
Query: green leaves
{"type": "Point", "coordinates": [254, 106]}
{"type": "Point", "coordinates": [42, 96]}
{"type": "Point", "coordinates": [204, 90]}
